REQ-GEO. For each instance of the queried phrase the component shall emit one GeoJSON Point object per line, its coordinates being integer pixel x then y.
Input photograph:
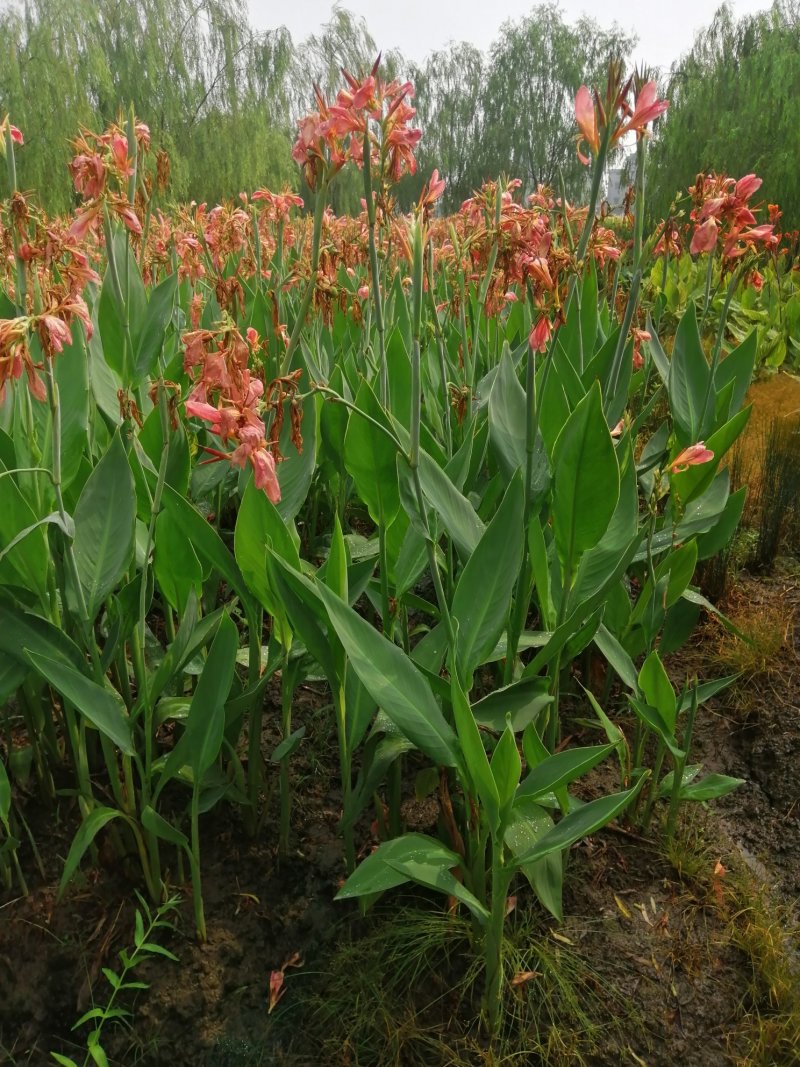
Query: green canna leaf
{"type": "Point", "coordinates": [201, 740]}
{"type": "Point", "coordinates": [585, 481]}
{"type": "Point", "coordinates": [153, 329]}
{"type": "Point", "coordinates": [102, 706]}
{"type": "Point", "coordinates": [104, 526]}
{"type": "Point", "coordinates": [561, 769]}
{"type": "Point", "coordinates": [88, 830]}
{"type": "Point", "coordinates": [394, 682]}
{"type": "Point", "coordinates": [482, 598]}
{"type": "Point", "coordinates": [506, 768]}
{"type": "Point", "coordinates": [586, 820]}
{"type": "Point", "coordinates": [475, 760]}
{"type": "Point", "coordinates": [528, 823]}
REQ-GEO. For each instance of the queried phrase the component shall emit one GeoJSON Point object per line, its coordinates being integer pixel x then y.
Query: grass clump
{"type": "Point", "coordinates": [406, 993]}
{"type": "Point", "coordinates": [766, 930]}
{"type": "Point", "coordinates": [764, 630]}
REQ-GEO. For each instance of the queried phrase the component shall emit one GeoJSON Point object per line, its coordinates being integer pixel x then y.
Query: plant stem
{"type": "Point", "coordinates": [638, 222]}
{"type": "Point", "coordinates": [375, 276]}
{"type": "Point", "coordinates": [194, 859]}
{"type": "Point", "coordinates": [345, 770]}
{"type": "Point", "coordinates": [287, 692]}
{"type": "Point", "coordinates": [493, 938]}
{"type": "Point", "coordinates": [305, 303]}
{"type": "Point", "coordinates": [680, 767]}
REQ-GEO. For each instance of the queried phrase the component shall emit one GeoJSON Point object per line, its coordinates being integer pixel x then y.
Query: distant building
{"type": "Point", "coordinates": [617, 186]}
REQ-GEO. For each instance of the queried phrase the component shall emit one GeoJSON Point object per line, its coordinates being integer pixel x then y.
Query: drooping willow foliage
{"type": "Point", "coordinates": [734, 104]}
{"type": "Point", "coordinates": [222, 99]}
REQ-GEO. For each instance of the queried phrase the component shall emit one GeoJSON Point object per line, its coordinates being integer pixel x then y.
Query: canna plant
{"type": "Point", "coordinates": [248, 433]}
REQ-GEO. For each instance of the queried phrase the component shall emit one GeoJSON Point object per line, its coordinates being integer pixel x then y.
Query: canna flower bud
{"type": "Point", "coordinates": [692, 456]}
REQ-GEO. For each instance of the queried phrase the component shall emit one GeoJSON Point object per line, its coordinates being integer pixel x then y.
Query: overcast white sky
{"type": "Point", "coordinates": [665, 30]}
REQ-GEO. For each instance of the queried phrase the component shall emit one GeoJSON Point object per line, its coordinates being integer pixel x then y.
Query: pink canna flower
{"type": "Point", "coordinates": [540, 334]}
{"type": "Point", "coordinates": [119, 152]}
{"type": "Point", "coordinates": [197, 409]}
{"type": "Point", "coordinates": [764, 233]}
{"type": "Point", "coordinates": [276, 989]}
{"type": "Point", "coordinates": [692, 456]}
{"type": "Point", "coordinates": [646, 109]}
{"type": "Point", "coordinates": [704, 238]}
{"type": "Point", "coordinates": [363, 291]}
{"type": "Point", "coordinates": [432, 191]}
{"type": "Point", "coordinates": [266, 477]}
{"type": "Point", "coordinates": [746, 186]}
{"type": "Point", "coordinates": [16, 135]}
{"type": "Point", "coordinates": [54, 333]}
{"type": "Point", "coordinates": [129, 217]}
{"type": "Point", "coordinates": [587, 123]}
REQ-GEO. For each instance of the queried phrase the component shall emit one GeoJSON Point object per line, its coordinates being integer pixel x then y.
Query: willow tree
{"type": "Point", "coordinates": [449, 87]}
{"type": "Point", "coordinates": [535, 68]}
{"type": "Point", "coordinates": [213, 93]}
{"type": "Point", "coordinates": [735, 107]}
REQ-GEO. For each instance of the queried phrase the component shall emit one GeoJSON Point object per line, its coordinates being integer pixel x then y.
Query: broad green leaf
{"type": "Point", "coordinates": [27, 563]}
{"type": "Point", "coordinates": [522, 700]}
{"type": "Point", "coordinates": [375, 874]}
{"type": "Point", "coordinates": [207, 544]}
{"type": "Point", "coordinates": [336, 564]}
{"type": "Point", "coordinates": [601, 562]}
{"type": "Point", "coordinates": [737, 367]}
{"type": "Point", "coordinates": [112, 315]}
{"type": "Point", "coordinates": [617, 657]}
{"type": "Point", "coordinates": [192, 635]}
{"type": "Point", "coordinates": [394, 682]}
{"type": "Point", "coordinates": [561, 769]}
{"type": "Point", "coordinates": [688, 379]}
{"type": "Point", "coordinates": [475, 759]}
{"type": "Point", "coordinates": [72, 380]}
{"type": "Point", "coordinates": [289, 745]}
{"type": "Point", "coordinates": [88, 830]}
{"type": "Point", "coordinates": [712, 787]}
{"type": "Point", "coordinates": [158, 825]}
{"type": "Point", "coordinates": [370, 458]}
{"type": "Point", "coordinates": [528, 823]}
{"type": "Point", "coordinates": [540, 565]}
{"type": "Point", "coordinates": [482, 598]}
{"type": "Point", "coordinates": [296, 470]}
{"type": "Point", "coordinates": [427, 871]}
{"type": "Point", "coordinates": [151, 440]}
{"type": "Point", "coordinates": [360, 709]}
{"type": "Point", "coordinates": [380, 752]}
{"type": "Point", "coordinates": [153, 329]}
{"type": "Point", "coordinates": [583, 822]}
{"type": "Point", "coordinates": [709, 544]}
{"type": "Point", "coordinates": [104, 526]}
{"type": "Point", "coordinates": [506, 767]}
{"type": "Point", "coordinates": [201, 740]}
{"type": "Point", "coordinates": [586, 481]}
{"type": "Point", "coordinates": [657, 688]}
{"type": "Point", "coordinates": [507, 416]}
{"type": "Point", "coordinates": [653, 719]}
{"type": "Point", "coordinates": [259, 526]}
{"type": "Point", "coordinates": [300, 599]}
{"type": "Point", "coordinates": [12, 675]}
{"type": "Point", "coordinates": [175, 565]}
{"type": "Point", "coordinates": [103, 707]}
{"type": "Point", "coordinates": [22, 631]}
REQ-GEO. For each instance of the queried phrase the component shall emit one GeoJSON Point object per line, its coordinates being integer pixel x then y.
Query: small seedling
{"type": "Point", "coordinates": [147, 923]}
